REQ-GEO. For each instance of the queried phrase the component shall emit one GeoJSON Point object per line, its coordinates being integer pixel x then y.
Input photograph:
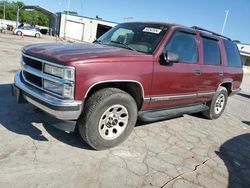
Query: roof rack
{"type": "Point", "coordinates": [211, 32]}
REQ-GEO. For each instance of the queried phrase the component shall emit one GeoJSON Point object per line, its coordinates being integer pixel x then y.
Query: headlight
{"type": "Point", "coordinates": [61, 89]}
{"type": "Point", "coordinates": [65, 73]}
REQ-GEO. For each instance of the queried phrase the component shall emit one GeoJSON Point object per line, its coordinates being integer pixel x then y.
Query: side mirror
{"type": "Point", "coordinates": [170, 57]}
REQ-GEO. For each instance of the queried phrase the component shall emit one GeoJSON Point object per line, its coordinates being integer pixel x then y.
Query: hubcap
{"type": "Point", "coordinates": [113, 122]}
{"type": "Point", "coordinates": [219, 104]}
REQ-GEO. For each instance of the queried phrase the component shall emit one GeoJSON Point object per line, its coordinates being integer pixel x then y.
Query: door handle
{"type": "Point", "coordinates": [221, 73]}
{"type": "Point", "coordinates": [197, 72]}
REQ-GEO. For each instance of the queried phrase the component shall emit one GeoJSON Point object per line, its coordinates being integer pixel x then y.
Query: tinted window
{"type": "Point", "coordinates": [211, 52]}
{"type": "Point", "coordinates": [185, 46]}
{"type": "Point", "coordinates": [233, 55]}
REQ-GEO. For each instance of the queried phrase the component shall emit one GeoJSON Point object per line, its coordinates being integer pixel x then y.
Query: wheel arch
{"type": "Point", "coordinates": [228, 85]}
{"type": "Point", "coordinates": [132, 87]}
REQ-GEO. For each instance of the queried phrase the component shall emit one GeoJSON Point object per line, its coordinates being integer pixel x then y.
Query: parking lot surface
{"type": "Point", "coordinates": [188, 151]}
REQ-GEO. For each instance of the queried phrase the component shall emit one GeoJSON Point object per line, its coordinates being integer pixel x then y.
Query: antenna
{"type": "Point", "coordinates": [225, 21]}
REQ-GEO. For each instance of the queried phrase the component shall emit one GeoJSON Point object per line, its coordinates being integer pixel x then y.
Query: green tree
{"type": "Point", "coordinates": [31, 17]}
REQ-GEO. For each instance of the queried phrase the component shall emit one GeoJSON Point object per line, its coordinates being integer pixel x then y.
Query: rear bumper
{"type": "Point", "coordinates": [60, 108]}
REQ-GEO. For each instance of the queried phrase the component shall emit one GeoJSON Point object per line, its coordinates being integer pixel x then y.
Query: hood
{"type": "Point", "coordinates": [71, 53]}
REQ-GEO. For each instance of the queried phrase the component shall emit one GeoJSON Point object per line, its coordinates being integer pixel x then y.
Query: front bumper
{"type": "Point", "coordinates": [63, 109]}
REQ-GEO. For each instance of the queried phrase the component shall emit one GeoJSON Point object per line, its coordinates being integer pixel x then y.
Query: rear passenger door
{"type": "Point", "coordinates": [212, 66]}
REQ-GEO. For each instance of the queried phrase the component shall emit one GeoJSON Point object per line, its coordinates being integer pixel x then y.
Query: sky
{"type": "Point", "coordinates": [207, 14]}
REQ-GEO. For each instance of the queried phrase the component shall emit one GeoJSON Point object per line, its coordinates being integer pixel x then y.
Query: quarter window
{"type": "Point", "coordinates": [233, 55]}
{"type": "Point", "coordinates": [184, 45]}
{"type": "Point", "coordinates": [211, 52]}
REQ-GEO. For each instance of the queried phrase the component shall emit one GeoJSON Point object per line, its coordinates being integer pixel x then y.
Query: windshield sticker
{"type": "Point", "coordinates": [152, 30]}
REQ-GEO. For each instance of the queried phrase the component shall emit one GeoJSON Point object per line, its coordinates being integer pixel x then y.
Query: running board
{"type": "Point", "coordinates": [158, 115]}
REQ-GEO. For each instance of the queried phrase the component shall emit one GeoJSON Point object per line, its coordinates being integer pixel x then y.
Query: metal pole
{"type": "Point", "coordinates": [4, 9]}
{"type": "Point", "coordinates": [17, 16]}
{"type": "Point", "coordinates": [225, 21]}
{"type": "Point", "coordinates": [81, 7]}
{"type": "Point", "coordinates": [68, 7]}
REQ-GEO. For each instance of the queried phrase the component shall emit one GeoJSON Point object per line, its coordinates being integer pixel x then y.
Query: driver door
{"type": "Point", "coordinates": [177, 84]}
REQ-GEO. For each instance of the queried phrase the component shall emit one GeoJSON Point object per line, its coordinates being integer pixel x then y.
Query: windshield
{"type": "Point", "coordinates": [139, 37]}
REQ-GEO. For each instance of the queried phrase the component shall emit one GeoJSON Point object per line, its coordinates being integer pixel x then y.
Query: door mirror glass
{"type": "Point", "coordinates": [170, 57]}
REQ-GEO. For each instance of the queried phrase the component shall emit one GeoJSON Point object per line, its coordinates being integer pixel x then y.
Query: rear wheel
{"type": "Point", "coordinates": [37, 35]}
{"type": "Point", "coordinates": [217, 105]}
{"type": "Point", "coordinates": [108, 118]}
{"type": "Point", "coordinates": [19, 33]}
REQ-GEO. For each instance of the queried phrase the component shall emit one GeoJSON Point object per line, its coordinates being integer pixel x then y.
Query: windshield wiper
{"type": "Point", "coordinates": [97, 41]}
{"type": "Point", "coordinates": [124, 44]}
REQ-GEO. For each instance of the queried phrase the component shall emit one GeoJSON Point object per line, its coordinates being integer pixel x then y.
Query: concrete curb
{"type": "Point", "coordinates": [246, 70]}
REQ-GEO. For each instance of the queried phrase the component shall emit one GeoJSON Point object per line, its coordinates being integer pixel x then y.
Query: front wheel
{"type": "Point", "coordinates": [108, 118]}
{"type": "Point", "coordinates": [217, 105]}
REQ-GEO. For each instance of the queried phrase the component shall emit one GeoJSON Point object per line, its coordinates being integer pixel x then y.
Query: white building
{"type": "Point", "coordinates": [81, 28]}
{"type": "Point", "coordinates": [245, 53]}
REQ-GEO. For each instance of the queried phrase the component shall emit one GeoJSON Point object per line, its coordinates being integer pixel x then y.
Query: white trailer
{"type": "Point", "coordinates": [245, 53]}
{"type": "Point", "coordinates": [4, 24]}
{"type": "Point", "coordinates": [82, 28]}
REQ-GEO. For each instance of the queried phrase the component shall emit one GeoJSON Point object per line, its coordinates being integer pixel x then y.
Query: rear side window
{"type": "Point", "coordinates": [233, 55]}
{"type": "Point", "coordinates": [184, 44]}
{"type": "Point", "coordinates": [211, 52]}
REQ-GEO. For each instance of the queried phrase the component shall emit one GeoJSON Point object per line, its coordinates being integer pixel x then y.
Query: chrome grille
{"type": "Point", "coordinates": [33, 79]}
{"type": "Point", "coordinates": [34, 74]}
{"type": "Point", "coordinates": [33, 63]}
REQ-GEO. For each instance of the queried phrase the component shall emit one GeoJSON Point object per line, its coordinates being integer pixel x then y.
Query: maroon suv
{"type": "Point", "coordinates": [153, 71]}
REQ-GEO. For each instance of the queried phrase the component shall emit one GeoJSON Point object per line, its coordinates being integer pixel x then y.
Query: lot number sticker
{"type": "Point", "coordinates": [152, 30]}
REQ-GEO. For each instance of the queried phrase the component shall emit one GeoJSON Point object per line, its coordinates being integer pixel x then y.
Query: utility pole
{"type": "Point", "coordinates": [81, 7]}
{"type": "Point", "coordinates": [225, 21]}
{"type": "Point", "coordinates": [4, 9]}
{"type": "Point", "coordinates": [17, 14]}
{"type": "Point", "coordinates": [68, 7]}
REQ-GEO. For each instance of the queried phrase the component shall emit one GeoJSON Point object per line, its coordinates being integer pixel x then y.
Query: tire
{"type": "Point", "coordinates": [108, 118]}
{"type": "Point", "coordinates": [37, 35]}
{"type": "Point", "coordinates": [19, 33]}
{"type": "Point", "coordinates": [217, 105]}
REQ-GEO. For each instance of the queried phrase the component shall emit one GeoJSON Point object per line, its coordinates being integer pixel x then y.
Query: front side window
{"type": "Point", "coordinates": [233, 55]}
{"type": "Point", "coordinates": [139, 37]}
{"type": "Point", "coordinates": [184, 45]}
{"type": "Point", "coordinates": [211, 52]}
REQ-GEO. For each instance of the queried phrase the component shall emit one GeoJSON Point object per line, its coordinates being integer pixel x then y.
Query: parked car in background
{"type": "Point", "coordinates": [28, 31]}
{"type": "Point", "coordinates": [152, 71]}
